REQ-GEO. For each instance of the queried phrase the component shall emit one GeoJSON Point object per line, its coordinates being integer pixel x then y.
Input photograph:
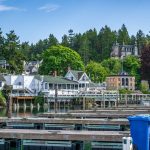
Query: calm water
{"type": "Point", "coordinates": [21, 113]}
{"type": "Point", "coordinates": [28, 112]}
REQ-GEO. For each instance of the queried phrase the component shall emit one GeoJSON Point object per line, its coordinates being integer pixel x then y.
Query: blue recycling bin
{"type": "Point", "coordinates": [140, 129]}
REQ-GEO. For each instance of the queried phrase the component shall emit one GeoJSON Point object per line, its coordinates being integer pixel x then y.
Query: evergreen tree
{"type": "Point", "coordinates": [123, 35]}
{"type": "Point", "coordinates": [106, 38]}
{"type": "Point", "coordinates": [1, 44]}
{"type": "Point", "coordinates": [65, 41]}
{"type": "Point", "coordinates": [141, 40]}
{"type": "Point", "coordinates": [13, 53]}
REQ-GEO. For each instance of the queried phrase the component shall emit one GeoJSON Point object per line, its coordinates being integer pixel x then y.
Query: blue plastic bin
{"type": "Point", "coordinates": [140, 129]}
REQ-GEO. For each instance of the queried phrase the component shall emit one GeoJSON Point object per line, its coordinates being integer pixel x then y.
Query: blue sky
{"type": "Point", "coordinates": [36, 19]}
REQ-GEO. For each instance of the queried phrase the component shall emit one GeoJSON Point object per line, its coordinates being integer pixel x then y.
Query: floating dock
{"type": "Point", "coordinates": [65, 135]}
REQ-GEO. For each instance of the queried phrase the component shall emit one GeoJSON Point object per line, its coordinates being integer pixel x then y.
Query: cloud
{"type": "Point", "coordinates": [49, 8]}
{"type": "Point", "coordinates": [9, 8]}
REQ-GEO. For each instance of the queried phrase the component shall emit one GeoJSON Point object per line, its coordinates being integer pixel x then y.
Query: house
{"type": "Point", "coordinates": [31, 68]}
{"type": "Point", "coordinates": [73, 82]}
{"type": "Point", "coordinates": [3, 63]}
{"type": "Point", "coordinates": [121, 81]}
{"type": "Point", "coordinates": [24, 84]}
{"type": "Point", "coordinates": [120, 51]}
{"type": "Point", "coordinates": [2, 82]}
{"type": "Point", "coordinates": [80, 77]}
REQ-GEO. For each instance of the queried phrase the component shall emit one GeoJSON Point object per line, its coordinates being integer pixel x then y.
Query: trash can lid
{"type": "Point", "coordinates": [143, 117]}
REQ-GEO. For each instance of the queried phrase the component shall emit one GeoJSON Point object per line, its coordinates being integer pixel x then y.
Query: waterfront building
{"type": "Point", "coordinates": [121, 81]}
{"type": "Point", "coordinates": [73, 82]}
{"type": "Point", "coordinates": [120, 51]}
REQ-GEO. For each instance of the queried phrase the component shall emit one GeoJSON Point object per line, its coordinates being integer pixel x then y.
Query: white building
{"type": "Point", "coordinates": [22, 84]}
{"type": "Point", "coordinates": [71, 84]}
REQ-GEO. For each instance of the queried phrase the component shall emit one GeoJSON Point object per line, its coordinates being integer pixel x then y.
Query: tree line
{"type": "Point", "coordinates": [94, 48]}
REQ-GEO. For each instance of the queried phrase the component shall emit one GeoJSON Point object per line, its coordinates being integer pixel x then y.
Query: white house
{"type": "Point", "coordinates": [80, 77]}
{"type": "Point", "coordinates": [22, 83]}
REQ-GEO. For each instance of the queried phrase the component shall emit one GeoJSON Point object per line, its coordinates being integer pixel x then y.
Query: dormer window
{"type": "Point", "coordinates": [71, 78]}
{"type": "Point", "coordinates": [0, 84]}
{"type": "Point", "coordinates": [84, 78]}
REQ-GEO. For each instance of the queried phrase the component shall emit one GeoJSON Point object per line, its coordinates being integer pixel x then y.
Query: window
{"type": "Point", "coordinates": [19, 83]}
{"type": "Point", "coordinates": [71, 78]}
{"type": "Point", "coordinates": [51, 86]}
{"type": "Point", "coordinates": [0, 84]}
{"type": "Point", "coordinates": [84, 78]}
{"type": "Point", "coordinates": [123, 82]}
{"type": "Point", "coordinates": [127, 82]}
{"type": "Point", "coordinates": [46, 86]}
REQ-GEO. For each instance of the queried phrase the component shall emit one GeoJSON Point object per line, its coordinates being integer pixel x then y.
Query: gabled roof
{"type": "Point", "coordinates": [77, 74]}
{"type": "Point", "coordinates": [2, 78]}
{"type": "Point", "coordinates": [55, 80]}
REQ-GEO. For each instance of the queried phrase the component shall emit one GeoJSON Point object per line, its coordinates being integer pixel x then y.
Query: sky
{"type": "Point", "coordinates": [33, 20]}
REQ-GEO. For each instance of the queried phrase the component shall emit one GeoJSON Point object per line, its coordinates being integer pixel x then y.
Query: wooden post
{"type": "Point", "coordinates": [126, 100]}
{"type": "Point", "coordinates": [64, 106]}
{"type": "Point", "coordinates": [9, 107]}
{"type": "Point", "coordinates": [83, 103]}
{"type": "Point", "coordinates": [104, 103]}
{"type": "Point", "coordinates": [56, 96]}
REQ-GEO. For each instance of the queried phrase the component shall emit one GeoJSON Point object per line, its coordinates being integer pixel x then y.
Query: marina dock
{"type": "Point", "coordinates": [63, 135]}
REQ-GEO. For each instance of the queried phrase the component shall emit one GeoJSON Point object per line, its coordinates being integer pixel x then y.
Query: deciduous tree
{"type": "Point", "coordinates": [58, 58]}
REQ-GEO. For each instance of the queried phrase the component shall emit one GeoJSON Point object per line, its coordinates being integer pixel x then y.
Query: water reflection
{"type": "Point", "coordinates": [31, 111]}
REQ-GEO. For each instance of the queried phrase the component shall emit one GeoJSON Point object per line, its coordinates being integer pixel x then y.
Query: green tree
{"type": "Point", "coordinates": [145, 87]}
{"type": "Point", "coordinates": [96, 71]}
{"type": "Point", "coordinates": [59, 58]}
{"type": "Point", "coordinates": [2, 99]}
{"type": "Point", "coordinates": [123, 35]}
{"type": "Point", "coordinates": [132, 65]}
{"type": "Point", "coordinates": [141, 40]}
{"type": "Point", "coordinates": [84, 50]}
{"type": "Point", "coordinates": [52, 41]}
{"type": "Point", "coordinates": [2, 40]}
{"type": "Point", "coordinates": [106, 38]}
{"type": "Point", "coordinates": [112, 65]}
{"type": "Point", "coordinates": [65, 41]}
{"type": "Point", "coordinates": [12, 53]}
{"type": "Point", "coordinates": [25, 48]}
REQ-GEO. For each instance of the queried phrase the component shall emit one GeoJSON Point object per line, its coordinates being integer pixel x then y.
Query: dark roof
{"type": "Point", "coordinates": [123, 73]}
{"type": "Point", "coordinates": [57, 80]}
{"type": "Point", "coordinates": [2, 78]}
{"type": "Point", "coordinates": [77, 74]}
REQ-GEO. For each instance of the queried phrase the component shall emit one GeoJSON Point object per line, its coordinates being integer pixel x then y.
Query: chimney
{"type": "Point", "coordinates": [55, 73]}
